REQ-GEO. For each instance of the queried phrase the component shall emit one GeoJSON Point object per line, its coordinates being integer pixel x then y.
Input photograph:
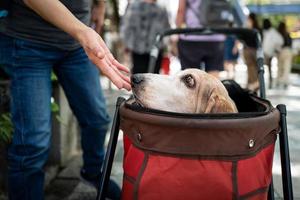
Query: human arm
{"type": "Point", "coordinates": [92, 43]}
{"type": "Point", "coordinates": [180, 17]}
{"type": "Point", "coordinates": [98, 13]}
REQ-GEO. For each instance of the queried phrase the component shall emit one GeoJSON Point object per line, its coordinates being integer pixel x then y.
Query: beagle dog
{"type": "Point", "coordinates": [189, 91]}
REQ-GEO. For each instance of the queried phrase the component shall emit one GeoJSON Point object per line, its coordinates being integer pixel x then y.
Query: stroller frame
{"type": "Point", "coordinates": [251, 37]}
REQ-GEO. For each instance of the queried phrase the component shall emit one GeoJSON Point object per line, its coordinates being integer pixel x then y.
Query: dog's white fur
{"type": "Point", "coordinates": [189, 91]}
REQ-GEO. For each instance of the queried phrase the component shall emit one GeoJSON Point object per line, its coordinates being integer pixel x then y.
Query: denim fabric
{"type": "Point", "coordinates": [30, 66]}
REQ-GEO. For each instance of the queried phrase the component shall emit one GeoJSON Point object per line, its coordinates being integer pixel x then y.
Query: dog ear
{"type": "Point", "coordinates": [219, 104]}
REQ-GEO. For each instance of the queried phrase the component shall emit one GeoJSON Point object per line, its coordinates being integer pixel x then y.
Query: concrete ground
{"type": "Point", "coordinates": [67, 185]}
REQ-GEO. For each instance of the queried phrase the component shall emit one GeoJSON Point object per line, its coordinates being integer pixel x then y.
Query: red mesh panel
{"type": "Point", "coordinates": [177, 178]}
{"type": "Point", "coordinates": [133, 161]}
{"type": "Point", "coordinates": [255, 172]}
{"type": "Point", "coordinates": [127, 144]}
{"type": "Point", "coordinates": [127, 190]}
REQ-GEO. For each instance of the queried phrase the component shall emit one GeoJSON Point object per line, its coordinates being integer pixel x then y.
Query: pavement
{"type": "Point", "coordinates": [67, 185]}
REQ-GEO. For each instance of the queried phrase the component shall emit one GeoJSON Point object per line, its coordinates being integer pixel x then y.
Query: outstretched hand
{"type": "Point", "coordinates": [100, 55]}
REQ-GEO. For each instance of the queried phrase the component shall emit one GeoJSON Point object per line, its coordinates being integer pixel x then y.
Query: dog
{"type": "Point", "coordinates": [189, 91]}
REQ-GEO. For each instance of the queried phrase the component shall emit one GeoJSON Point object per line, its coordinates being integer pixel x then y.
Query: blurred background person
{"type": "Point", "coordinates": [250, 56]}
{"type": "Point", "coordinates": [285, 57]}
{"type": "Point", "coordinates": [143, 20]}
{"type": "Point", "coordinates": [272, 42]}
{"type": "Point", "coordinates": [231, 54]}
{"type": "Point", "coordinates": [195, 51]}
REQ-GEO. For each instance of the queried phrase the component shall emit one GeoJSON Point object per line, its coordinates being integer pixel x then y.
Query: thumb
{"type": "Point", "coordinates": [98, 52]}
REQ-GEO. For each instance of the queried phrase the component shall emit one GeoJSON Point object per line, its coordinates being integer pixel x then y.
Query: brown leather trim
{"type": "Point", "coordinates": [199, 137]}
{"type": "Point", "coordinates": [235, 191]}
{"type": "Point", "coordinates": [229, 158]}
{"type": "Point", "coordinates": [139, 177]}
{"type": "Point", "coordinates": [129, 178]}
{"type": "Point", "coordinates": [253, 193]}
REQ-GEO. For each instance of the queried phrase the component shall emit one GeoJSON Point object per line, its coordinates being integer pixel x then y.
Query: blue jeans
{"type": "Point", "coordinates": [30, 65]}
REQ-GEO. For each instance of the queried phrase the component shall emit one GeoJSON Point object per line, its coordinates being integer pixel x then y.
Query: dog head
{"type": "Point", "coordinates": [189, 91]}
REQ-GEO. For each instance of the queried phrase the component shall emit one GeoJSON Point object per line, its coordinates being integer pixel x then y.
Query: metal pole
{"type": "Point", "coordinates": [271, 191]}
{"type": "Point", "coordinates": [260, 66]}
{"type": "Point", "coordinates": [109, 156]}
{"type": "Point", "coordinates": [154, 54]}
{"type": "Point", "coordinates": [262, 89]}
{"type": "Point", "coordinates": [153, 58]}
{"type": "Point", "coordinates": [285, 156]}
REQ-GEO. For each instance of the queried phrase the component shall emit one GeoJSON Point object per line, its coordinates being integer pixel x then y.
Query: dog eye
{"type": "Point", "coordinates": [189, 81]}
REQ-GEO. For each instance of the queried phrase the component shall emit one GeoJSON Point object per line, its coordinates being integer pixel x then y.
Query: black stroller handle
{"type": "Point", "coordinates": [251, 38]}
{"type": "Point", "coordinates": [109, 156]}
{"type": "Point", "coordinates": [285, 155]}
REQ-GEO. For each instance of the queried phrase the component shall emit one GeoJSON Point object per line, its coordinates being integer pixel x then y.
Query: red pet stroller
{"type": "Point", "coordinates": [201, 156]}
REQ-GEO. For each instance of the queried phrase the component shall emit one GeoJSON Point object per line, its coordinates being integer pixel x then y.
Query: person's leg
{"type": "Point", "coordinates": [229, 67]}
{"type": "Point", "coordinates": [140, 62]}
{"type": "Point", "coordinates": [214, 58]}
{"type": "Point", "coordinates": [287, 66]}
{"type": "Point", "coordinates": [190, 54]}
{"type": "Point", "coordinates": [280, 73]}
{"type": "Point", "coordinates": [30, 71]}
{"type": "Point", "coordinates": [6, 51]}
{"type": "Point", "coordinates": [269, 64]}
{"type": "Point", "coordinates": [80, 81]}
{"type": "Point", "coordinates": [250, 60]}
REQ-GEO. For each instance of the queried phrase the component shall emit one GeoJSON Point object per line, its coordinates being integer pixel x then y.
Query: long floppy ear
{"type": "Point", "coordinates": [219, 104]}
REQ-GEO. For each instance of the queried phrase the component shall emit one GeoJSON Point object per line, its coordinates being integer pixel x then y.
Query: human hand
{"type": "Point", "coordinates": [101, 56]}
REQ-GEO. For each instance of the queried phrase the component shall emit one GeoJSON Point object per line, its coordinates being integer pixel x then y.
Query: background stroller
{"type": "Point", "coordinates": [260, 112]}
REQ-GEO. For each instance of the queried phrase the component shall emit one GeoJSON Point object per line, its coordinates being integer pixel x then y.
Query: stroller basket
{"type": "Point", "coordinates": [184, 156]}
{"type": "Point", "coordinates": [201, 156]}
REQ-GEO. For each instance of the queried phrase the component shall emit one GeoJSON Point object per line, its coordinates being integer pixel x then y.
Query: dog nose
{"type": "Point", "coordinates": [137, 79]}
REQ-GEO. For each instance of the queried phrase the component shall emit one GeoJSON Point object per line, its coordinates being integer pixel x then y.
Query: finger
{"type": "Point", "coordinates": [117, 64]}
{"type": "Point", "coordinates": [117, 69]}
{"type": "Point", "coordinates": [114, 76]}
{"type": "Point", "coordinates": [127, 86]}
{"type": "Point", "coordinates": [117, 78]}
{"type": "Point", "coordinates": [127, 80]}
{"type": "Point", "coordinates": [124, 77]}
{"type": "Point", "coordinates": [112, 71]}
{"type": "Point", "coordinates": [121, 66]}
{"type": "Point", "coordinates": [93, 57]}
{"type": "Point", "coordinates": [111, 57]}
{"type": "Point", "coordinates": [98, 51]}
{"type": "Point", "coordinates": [103, 45]}
{"type": "Point", "coordinates": [107, 71]}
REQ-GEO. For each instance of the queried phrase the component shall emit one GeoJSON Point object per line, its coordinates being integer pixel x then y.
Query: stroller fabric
{"type": "Point", "coordinates": [204, 156]}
